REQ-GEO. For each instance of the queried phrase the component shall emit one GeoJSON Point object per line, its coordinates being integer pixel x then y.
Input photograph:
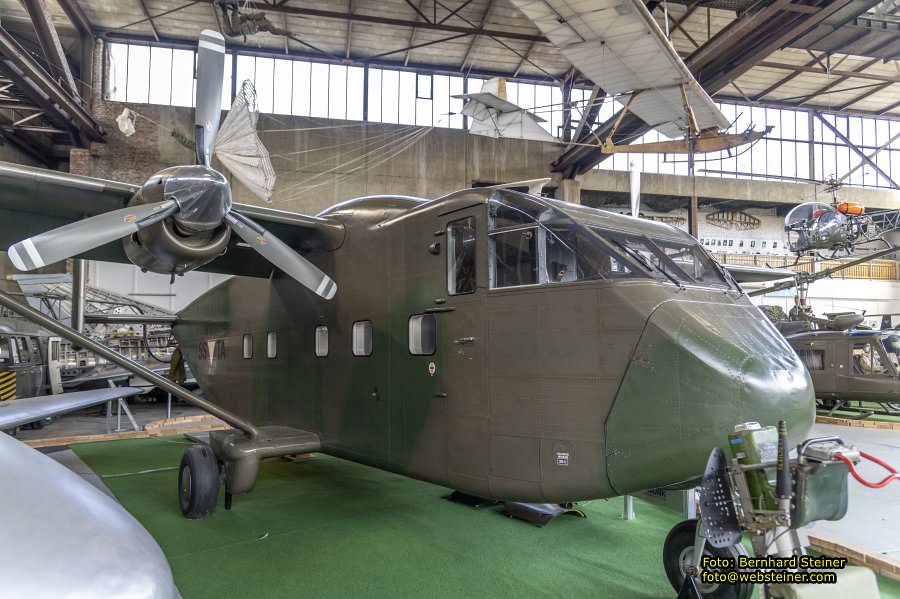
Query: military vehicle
{"type": "Point", "coordinates": [852, 368]}
{"type": "Point", "coordinates": [503, 344]}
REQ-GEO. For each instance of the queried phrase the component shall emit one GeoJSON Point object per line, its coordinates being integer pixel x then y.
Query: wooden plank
{"type": "Point", "coordinates": [858, 423]}
{"type": "Point", "coordinates": [877, 562]}
{"type": "Point", "coordinates": [158, 428]}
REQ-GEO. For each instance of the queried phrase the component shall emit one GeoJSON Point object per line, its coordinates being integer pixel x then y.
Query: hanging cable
{"type": "Point", "coordinates": [872, 485]}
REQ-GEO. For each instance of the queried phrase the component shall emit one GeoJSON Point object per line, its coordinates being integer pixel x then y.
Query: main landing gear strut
{"type": "Point", "coordinates": [232, 459]}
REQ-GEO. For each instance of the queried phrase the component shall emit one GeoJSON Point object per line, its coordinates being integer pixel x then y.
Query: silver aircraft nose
{"type": "Point", "coordinates": [699, 369]}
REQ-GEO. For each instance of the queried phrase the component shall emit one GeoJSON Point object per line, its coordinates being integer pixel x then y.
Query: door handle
{"type": "Point", "coordinates": [462, 340]}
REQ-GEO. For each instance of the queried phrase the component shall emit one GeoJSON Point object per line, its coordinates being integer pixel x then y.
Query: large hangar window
{"type": "Point", "coordinates": [422, 334]}
{"type": "Point", "coordinates": [362, 338]}
{"type": "Point", "coordinates": [461, 256]}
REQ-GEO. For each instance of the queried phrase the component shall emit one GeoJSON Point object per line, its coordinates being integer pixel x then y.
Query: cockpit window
{"type": "Point", "coordinates": [515, 257]}
{"type": "Point", "coordinates": [555, 252]}
{"type": "Point", "coordinates": [461, 256]}
{"type": "Point", "coordinates": [868, 360]}
{"type": "Point", "coordinates": [535, 241]}
{"type": "Point", "coordinates": [680, 262]}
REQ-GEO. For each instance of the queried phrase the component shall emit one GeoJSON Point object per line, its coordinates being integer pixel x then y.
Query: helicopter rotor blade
{"type": "Point", "coordinates": [210, 70]}
{"type": "Point", "coordinates": [83, 235]}
{"type": "Point", "coordinates": [281, 255]}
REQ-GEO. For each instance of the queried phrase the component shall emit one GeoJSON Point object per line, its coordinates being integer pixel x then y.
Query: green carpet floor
{"type": "Point", "coordinates": [330, 528]}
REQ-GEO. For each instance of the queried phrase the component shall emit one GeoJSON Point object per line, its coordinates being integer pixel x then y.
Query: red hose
{"type": "Point", "coordinates": [892, 476]}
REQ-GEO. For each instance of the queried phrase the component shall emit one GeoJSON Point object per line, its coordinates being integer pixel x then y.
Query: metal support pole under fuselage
{"type": "Point", "coordinates": [163, 383]}
{"type": "Point", "coordinates": [78, 289]}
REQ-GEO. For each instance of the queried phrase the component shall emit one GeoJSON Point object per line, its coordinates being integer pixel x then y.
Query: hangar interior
{"type": "Point", "coordinates": [360, 98]}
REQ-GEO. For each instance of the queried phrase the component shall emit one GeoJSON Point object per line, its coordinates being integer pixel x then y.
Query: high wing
{"type": "Point", "coordinates": [621, 48]}
{"type": "Point", "coordinates": [17, 412]}
{"type": "Point", "coordinates": [757, 274]}
{"type": "Point", "coordinates": [34, 200]}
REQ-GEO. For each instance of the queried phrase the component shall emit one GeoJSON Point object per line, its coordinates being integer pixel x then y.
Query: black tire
{"type": "Point", "coordinates": [678, 551]}
{"type": "Point", "coordinates": [198, 482]}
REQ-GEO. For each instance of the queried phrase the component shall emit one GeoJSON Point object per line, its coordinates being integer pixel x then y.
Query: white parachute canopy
{"type": "Point", "coordinates": [240, 149]}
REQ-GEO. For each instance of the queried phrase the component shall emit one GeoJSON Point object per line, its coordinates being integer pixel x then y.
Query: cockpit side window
{"type": "Point", "coordinates": [514, 257]}
{"type": "Point", "coordinates": [868, 360]}
{"type": "Point", "coordinates": [461, 260]}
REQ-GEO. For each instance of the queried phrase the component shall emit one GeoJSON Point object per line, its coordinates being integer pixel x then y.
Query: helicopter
{"type": "Point", "coordinates": [838, 228]}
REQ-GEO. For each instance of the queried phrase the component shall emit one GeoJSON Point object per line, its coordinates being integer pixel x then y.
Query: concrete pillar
{"type": "Point", "coordinates": [569, 190]}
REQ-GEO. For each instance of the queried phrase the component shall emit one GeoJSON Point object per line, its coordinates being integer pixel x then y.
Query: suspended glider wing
{"type": "Point", "coordinates": [34, 200]}
{"type": "Point", "coordinates": [17, 412]}
{"type": "Point", "coordinates": [494, 116]}
{"type": "Point", "coordinates": [621, 48]}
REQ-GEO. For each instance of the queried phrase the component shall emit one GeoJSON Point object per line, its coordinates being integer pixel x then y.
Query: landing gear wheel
{"type": "Point", "coordinates": [894, 406]}
{"type": "Point", "coordinates": [198, 482]}
{"type": "Point", "coordinates": [678, 554]}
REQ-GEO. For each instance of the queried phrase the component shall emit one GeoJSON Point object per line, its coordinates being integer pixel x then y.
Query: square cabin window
{"type": "Point", "coordinates": [321, 341]}
{"type": "Point", "coordinates": [271, 344]}
{"type": "Point", "coordinates": [362, 338]}
{"type": "Point", "coordinates": [247, 344]}
{"type": "Point", "coordinates": [422, 334]}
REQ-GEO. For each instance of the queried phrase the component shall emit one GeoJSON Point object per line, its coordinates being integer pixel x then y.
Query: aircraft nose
{"type": "Point", "coordinates": [699, 369]}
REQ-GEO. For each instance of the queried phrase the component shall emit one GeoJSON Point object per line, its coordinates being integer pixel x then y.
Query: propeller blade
{"type": "Point", "coordinates": [278, 253]}
{"type": "Point", "coordinates": [83, 235]}
{"type": "Point", "coordinates": [210, 70]}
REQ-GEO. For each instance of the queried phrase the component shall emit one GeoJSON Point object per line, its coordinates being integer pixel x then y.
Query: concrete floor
{"type": "Point", "coordinates": [873, 517]}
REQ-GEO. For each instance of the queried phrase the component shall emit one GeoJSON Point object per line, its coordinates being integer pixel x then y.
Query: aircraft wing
{"type": "Point", "coordinates": [35, 200]}
{"type": "Point", "coordinates": [621, 48]}
{"type": "Point", "coordinates": [757, 274]}
{"type": "Point", "coordinates": [17, 412]}
{"type": "Point", "coordinates": [68, 539]}
{"type": "Point", "coordinates": [493, 116]}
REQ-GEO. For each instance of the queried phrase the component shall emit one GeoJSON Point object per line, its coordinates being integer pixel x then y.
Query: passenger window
{"type": "Point", "coordinates": [271, 344]}
{"type": "Point", "coordinates": [321, 341]}
{"type": "Point", "coordinates": [247, 343]}
{"type": "Point", "coordinates": [23, 349]}
{"type": "Point", "coordinates": [515, 257]}
{"type": "Point", "coordinates": [36, 351]}
{"type": "Point", "coordinates": [813, 358]}
{"type": "Point", "coordinates": [4, 349]}
{"type": "Point", "coordinates": [461, 256]}
{"type": "Point", "coordinates": [362, 338]}
{"type": "Point", "coordinates": [422, 334]}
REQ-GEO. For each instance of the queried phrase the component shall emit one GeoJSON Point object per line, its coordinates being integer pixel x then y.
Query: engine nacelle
{"type": "Point", "coordinates": [172, 247]}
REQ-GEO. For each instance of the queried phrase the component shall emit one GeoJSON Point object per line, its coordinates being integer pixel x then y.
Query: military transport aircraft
{"type": "Point", "coordinates": [503, 344]}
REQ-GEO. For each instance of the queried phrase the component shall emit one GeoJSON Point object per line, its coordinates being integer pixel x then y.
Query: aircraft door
{"type": "Point", "coordinates": [54, 369]}
{"type": "Point", "coordinates": [872, 376]}
{"type": "Point", "coordinates": [460, 357]}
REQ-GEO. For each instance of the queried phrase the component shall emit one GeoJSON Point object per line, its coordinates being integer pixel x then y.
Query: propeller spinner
{"type": "Point", "coordinates": [190, 202]}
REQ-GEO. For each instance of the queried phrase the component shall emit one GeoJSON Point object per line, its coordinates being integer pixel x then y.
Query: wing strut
{"type": "Point", "coordinates": [163, 383]}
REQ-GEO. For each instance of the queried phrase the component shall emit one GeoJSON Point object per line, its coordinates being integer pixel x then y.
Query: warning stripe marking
{"type": "Point", "coordinates": [7, 386]}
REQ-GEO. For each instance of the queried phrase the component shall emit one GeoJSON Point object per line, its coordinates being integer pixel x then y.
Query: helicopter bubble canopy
{"type": "Point", "coordinates": [813, 226]}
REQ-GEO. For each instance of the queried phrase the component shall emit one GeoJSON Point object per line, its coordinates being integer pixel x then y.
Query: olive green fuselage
{"type": "Point", "coordinates": [551, 393]}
